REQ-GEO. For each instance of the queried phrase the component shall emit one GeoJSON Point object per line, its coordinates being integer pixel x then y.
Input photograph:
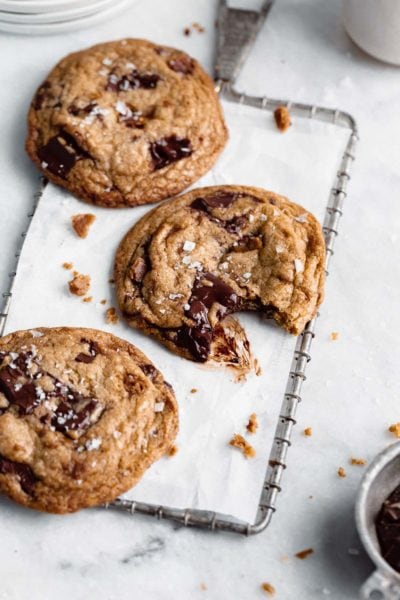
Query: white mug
{"type": "Point", "coordinates": [374, 25]}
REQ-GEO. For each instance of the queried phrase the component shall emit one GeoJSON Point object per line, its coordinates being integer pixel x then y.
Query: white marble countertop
{"type": "Point", "coordinates": [353, 386]}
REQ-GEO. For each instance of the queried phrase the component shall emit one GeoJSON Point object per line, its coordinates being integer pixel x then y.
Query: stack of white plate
{"type": "Point", "coordinates": [53, 16]}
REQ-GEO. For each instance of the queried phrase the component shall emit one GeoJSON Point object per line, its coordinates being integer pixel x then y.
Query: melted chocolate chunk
{"type": "Point", "coordinates": [73, 413]}
{"type": "Point", "coordinates": [221, 200]}
{"type": "Point", "coordinates": [61, 153]}
{"type": "Point", "coordinates": [182, 65]}
{"type": "Point", "coordinates": [94, 350]}
{"type": "Point", "coordinates": [22, 395]}
{"type": "Point", "coordinates": [197, 338]}
{"type": "Point", "coordinates": [388, 529]}
{"type": "Point", "coordinates": [132, 81]}
{"type": "Point", "coordinates": [168, 150]}
{"type": "Point", "coordinates": [24, 473]}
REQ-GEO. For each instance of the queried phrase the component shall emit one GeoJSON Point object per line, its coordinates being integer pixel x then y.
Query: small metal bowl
{"type": "Point", "coordinates": [379, 481]}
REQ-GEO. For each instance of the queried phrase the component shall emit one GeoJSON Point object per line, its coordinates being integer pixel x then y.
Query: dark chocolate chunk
{"type": "Point", "coordinates": [78, 111]}
{"type": "Point", "coordinates": [73, 413]}
{"type": "Point", "coordinates": [93, 352]}
{"type": "Point", "coordinates": [221, 200]}
{"type": "Point", "coordinates": [235, 224]}
{"type": "Point", "coordinates": [168, 150]}
{"type": "Point", "coordinates": [60, 154]}
{"type": "Point", "coordinates": [24, 473]}
{"type": "Point", "coordinates": [41, 95]}
{"type": "Point", "coordinates": [208, 290]}
{"type": "Point", "coordinates": [149, 371]}
{"type": "Point", "coordinates": [388, 529]}
{"type": "Point", "coordinates": [132, 81]}
{"type": "Point", "coordinates": [183, 64]}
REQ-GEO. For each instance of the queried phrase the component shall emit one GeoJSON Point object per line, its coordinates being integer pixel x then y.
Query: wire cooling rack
{"type": "Point", "coordinates": [237, 30]}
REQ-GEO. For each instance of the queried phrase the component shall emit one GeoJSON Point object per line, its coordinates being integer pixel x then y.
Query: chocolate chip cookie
{"type": "Point", "coordinates": [82, 415]}
{"type": "Point", "coordinates": [125, 123]}
{"type": "Point", "coordinates": [191, 262]}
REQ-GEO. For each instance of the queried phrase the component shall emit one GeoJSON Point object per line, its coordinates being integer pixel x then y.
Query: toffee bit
{"type": "Point", "coordinates": [172, 451]}
{"type": "Point", "coordinates": [334, 336]}
{"type": "Point", "coordinates": [304, 553]}
{"type": "Point", "coordinates": [341, 472]}
{"type": "Point", "coordinates": [241, 444]}
{"type": "Point", "coordinates": [395, 429]}
{"type": "Point", "coordinates": [67, 265]}
{"type": "Point", "coordinates": [282, 118]}
{"type": "Point", "coordinates": [79, 285]}
{"type": "Point", "coordinates": [308, 431]}
{"type": "Point", "coordinates": [81, 224]}
{"type": "Point", "coordinates": [111, 316]}
{"type": "Point", "coordinates": [358, 461]}
{"type": "Point", "coordinates": [268, 588]}
{"type": "Point", "coordinates": [252, 424]}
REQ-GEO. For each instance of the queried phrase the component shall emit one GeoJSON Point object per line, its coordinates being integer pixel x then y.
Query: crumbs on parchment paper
{"type": "Point", "coordinates": [172, 451]}
{"type": "Point", "coordinates": [79, 285]}
{"type": "Point", "coordinates": [193, 27]}
{"type": "Point", "coordinates": [252, 424]}
{"type": "Point", "coordinates": [81, 223]}
{"type": "Point", "coordinates": [88, 299]}
{"type": "Point", "coordinates": [241, 444]}
{"type": "Point", "coordinates": [308, 431]}
{"type": "Point", "coordinates": [67, 265]}
{"type": "Point", "coordinates": [304, 553]}
{"type": "Point", "coordinates": [193, 390]}
{"type": "Point", "coordinates": [334, 336]}
{"type": "Point", "coordinates": [341, 472]}
{"type": "Point", "coordinates": [268, 588]}
{"type": "Point", "coordinates": [282, 118]}
{"type": "Point", "coordinates": [104, 301]}
{"type": "Point", "coordinates": [111, 316]}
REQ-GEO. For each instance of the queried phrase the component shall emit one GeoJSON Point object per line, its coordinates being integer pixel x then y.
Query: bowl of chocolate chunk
{"type": "Point", "coordinates": [378, 523]}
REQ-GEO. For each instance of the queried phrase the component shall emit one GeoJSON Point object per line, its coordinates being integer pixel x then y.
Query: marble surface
{"type": "Point", "coordinates": [353, 386]}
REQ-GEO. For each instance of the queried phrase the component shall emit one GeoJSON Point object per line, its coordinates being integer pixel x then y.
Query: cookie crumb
{"type": "Point", "coordinates": [341, 472]}
{"type": "Point", "coordinates": [82, 223]}
{"type": "Point", "coordinates": [197, 27]}
{"type": "Point", "coordinates": [111, 316]}
{"type": "Point", "coordinates": [172, 451]}
{"type": "Point", "coordinates": [88, 299]}
{"type": "Point", "coordinates": [79, 285]}
{"type": "Point", "coordinates": [104, 301]}
{"type": "Point", "coordinates": [239, 442]}
{"type": "Point", "coordinates": [308, 431]}
{"type": "Point", "coordinates": [358, 461]}
{"type": "Point", "coordinates": [111, 280]}
{"type": "Point", "coordinates": [304, 553]}
{"type": "Point", "coordinates": [186, 31]}
{"type": "Point", "coordinates": [252, 425]}
{"type": "Point", "coordinates": [203, 587]}
{"type": "Point", "coordinates": [334, 336]}
{"type": "Point", "coordinates": [395, 429]}
{"type": "Point", "coordinates": [67, 265]}
{"type": "Point", "coordinates": [282, 118]}
{"type": "Point", "coordinates": [268, 588]}
{"type": "Point", "coordinates": [193, 390]}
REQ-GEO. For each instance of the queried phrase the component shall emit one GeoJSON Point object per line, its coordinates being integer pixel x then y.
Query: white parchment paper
{"type": "Point", "coordinates": [205, 473]}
